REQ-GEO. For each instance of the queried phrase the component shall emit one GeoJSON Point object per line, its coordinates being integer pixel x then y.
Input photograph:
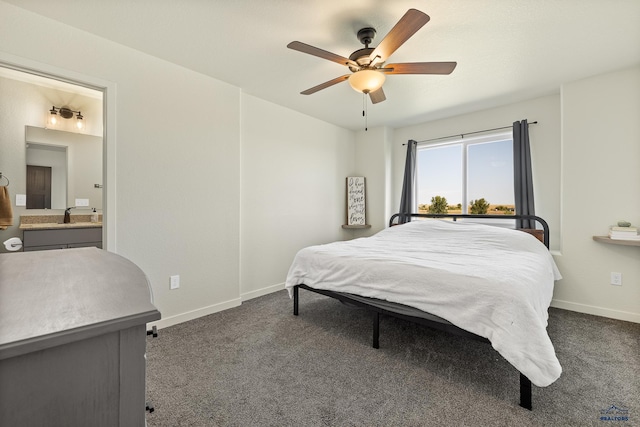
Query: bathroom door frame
{"type": "Point", "coordinates": [108, 90]}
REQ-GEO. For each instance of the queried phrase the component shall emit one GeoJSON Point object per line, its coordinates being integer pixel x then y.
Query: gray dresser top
{"type": "Point", "coordinates": [49, 298]}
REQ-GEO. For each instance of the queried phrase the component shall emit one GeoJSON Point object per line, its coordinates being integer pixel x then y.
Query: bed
{"type": "Point", "coordinates": [489, 283]}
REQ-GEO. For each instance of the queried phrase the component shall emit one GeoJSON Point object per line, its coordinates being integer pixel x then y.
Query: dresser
{"type": "Point", "coordinates": [72, 339]}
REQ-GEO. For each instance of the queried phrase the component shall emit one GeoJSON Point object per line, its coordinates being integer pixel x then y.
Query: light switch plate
{"type": "Point", "coordinates": [82, 202]}
{"type": "Point", "coordinates": [21, 200]}
{"type": "Point", "coordinates": [616, 278]}
{"type": "Point", "coordinates": [175, 282]}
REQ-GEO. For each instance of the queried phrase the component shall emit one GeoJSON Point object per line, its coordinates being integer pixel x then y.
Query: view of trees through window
{"type": "Point", "coordinates": [473, 176]}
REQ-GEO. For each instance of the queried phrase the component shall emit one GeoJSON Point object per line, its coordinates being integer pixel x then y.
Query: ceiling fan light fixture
{"type": "Point", "coordinates": [367, 80]}
{"type": "Point", "coordinates": [366, 64]}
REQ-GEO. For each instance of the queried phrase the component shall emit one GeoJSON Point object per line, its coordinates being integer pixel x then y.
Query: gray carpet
{"type": "Point", "coordinates": [258, 365]}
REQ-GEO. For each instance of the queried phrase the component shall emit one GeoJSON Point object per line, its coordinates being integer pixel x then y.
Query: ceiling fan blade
{"type": "Point", "coordinates": [325, 85]}
{"type": "Point", "coordinates": [420, 68]}
{"type": "Point", "coordinates": [407, 26]}
{"type": "Point", "coordinates": [311, 50]}
{"type": "Point", "coordinates": [377, 96]}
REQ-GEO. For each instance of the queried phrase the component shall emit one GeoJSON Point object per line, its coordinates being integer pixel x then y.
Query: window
{"type": "Point", "coordinates": [469, 176]}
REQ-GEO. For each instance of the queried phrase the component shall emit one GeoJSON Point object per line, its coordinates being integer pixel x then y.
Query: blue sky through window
{"type": "Point", "coordinates": [489, 172]}
{"type": "Point", "coordinates": [439, 173]}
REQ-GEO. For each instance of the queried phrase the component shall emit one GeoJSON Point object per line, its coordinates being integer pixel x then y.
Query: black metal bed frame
{"type": "Point", "coordinates": [432, 321]}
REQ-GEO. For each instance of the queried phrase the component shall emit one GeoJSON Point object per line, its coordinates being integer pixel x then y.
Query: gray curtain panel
{"type": "Point", "coordinates": [406, 199]}
{"type": "Point", "coordinates": [523, 182]}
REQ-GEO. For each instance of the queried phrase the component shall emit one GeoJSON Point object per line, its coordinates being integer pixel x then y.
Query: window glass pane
{"type": "Point", "coordinates": [439, 173]}
{"type": "Point", "coordinates": [490, 177]}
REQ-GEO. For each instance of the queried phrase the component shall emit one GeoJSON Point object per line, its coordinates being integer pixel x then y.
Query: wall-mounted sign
{"type": "Point", "coordinates": [356, 200]}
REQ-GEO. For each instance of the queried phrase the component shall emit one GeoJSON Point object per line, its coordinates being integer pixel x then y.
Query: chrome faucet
{"type": "Point", "coordinates": [67, 215]}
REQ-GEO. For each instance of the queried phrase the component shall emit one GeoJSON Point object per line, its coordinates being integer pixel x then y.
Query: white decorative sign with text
{"type": "Point", "coordinates": [355, 200]}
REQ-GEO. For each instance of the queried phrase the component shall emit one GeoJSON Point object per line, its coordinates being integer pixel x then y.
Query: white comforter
{"type": "Point", "coordinates": [494, 282]}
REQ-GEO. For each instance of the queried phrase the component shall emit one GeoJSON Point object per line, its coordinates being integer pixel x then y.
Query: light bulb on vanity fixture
{"type": "Point", "coordinates": [66, 113]}
{"type": "Point", "coordinates": [52, 119]}
{"type": "Point", "coordinates": [79, 121]}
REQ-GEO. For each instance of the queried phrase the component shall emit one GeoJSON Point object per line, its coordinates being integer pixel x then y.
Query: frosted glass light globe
{"type": "Point", "coordinates": [366, 81]}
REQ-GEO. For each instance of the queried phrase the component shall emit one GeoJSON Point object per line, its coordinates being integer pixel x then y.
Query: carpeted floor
{"type": "Point", "coordinates": [258, 365]}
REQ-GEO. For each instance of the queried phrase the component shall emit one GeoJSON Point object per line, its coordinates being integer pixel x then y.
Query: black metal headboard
{"type": "Point", "coordinates": [542, 222]}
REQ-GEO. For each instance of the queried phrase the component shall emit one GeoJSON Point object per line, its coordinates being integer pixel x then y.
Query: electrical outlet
{"type": "Point", "coordinates": [616, 279]}
{"type": "Point", "coordinates": [175, 282]}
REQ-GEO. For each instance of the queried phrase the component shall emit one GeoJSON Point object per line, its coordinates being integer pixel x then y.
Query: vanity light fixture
{"type": "Point", "coordinates": [65, 113]}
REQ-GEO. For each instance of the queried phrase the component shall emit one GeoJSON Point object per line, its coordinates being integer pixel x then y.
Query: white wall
{"type": "Point", "coordinates": [600, 185]}
{"type": "Point", "coordinates": [373, 161]}
{"type": "Point", "coordinates": [293, 189]}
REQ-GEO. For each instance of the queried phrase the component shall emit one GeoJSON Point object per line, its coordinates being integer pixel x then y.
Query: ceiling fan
{"type": "Point", "coordinates": [367, 64]}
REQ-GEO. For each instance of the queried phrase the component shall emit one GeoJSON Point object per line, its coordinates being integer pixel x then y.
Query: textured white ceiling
{"type": "Point", "coordinates": [507, 50]}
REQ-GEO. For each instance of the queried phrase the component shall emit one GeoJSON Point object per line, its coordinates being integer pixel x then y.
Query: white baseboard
{"type": "Point", "coordinates": [596, 311]}
{"type": "Point", "coordinates": [194, 314]}
{"type": "Point", "coordinates": [260, 292]}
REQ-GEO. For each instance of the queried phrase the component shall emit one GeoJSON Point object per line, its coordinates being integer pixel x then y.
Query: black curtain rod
{"type": "Point", "coordinates": [461, 135]}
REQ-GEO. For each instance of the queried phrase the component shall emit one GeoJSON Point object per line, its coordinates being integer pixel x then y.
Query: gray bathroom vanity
{"type": "Point", "coordinates": [46, 232]}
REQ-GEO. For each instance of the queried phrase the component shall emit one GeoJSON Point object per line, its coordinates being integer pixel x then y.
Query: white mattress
{"type": "Point", "coordinates": [491, 281]}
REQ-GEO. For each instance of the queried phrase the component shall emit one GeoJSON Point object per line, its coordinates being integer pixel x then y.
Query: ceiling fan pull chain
{"type": "Point", "coordinates": [364, 109]}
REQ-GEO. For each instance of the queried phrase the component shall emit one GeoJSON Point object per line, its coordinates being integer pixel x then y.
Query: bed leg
{"type": "Point", "coordinates": [525, 392]}
{"type": "Point", "coordinates": [295, 300]}
{"type": "Point", "coordinates": [376, 329]}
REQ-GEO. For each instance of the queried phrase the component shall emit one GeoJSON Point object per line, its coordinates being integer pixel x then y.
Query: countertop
{"type": "Point", "coordinates": [56, 226]}
{"type": "Point", "coordinates": [54, 222]}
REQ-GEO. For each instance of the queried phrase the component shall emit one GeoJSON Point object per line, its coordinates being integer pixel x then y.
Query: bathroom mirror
{"type": "Point", "coordinates": [62, 167]}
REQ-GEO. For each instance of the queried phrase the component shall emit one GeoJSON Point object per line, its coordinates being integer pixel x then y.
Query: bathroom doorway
{"type": "Point", "coordinates": [45, 87]}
